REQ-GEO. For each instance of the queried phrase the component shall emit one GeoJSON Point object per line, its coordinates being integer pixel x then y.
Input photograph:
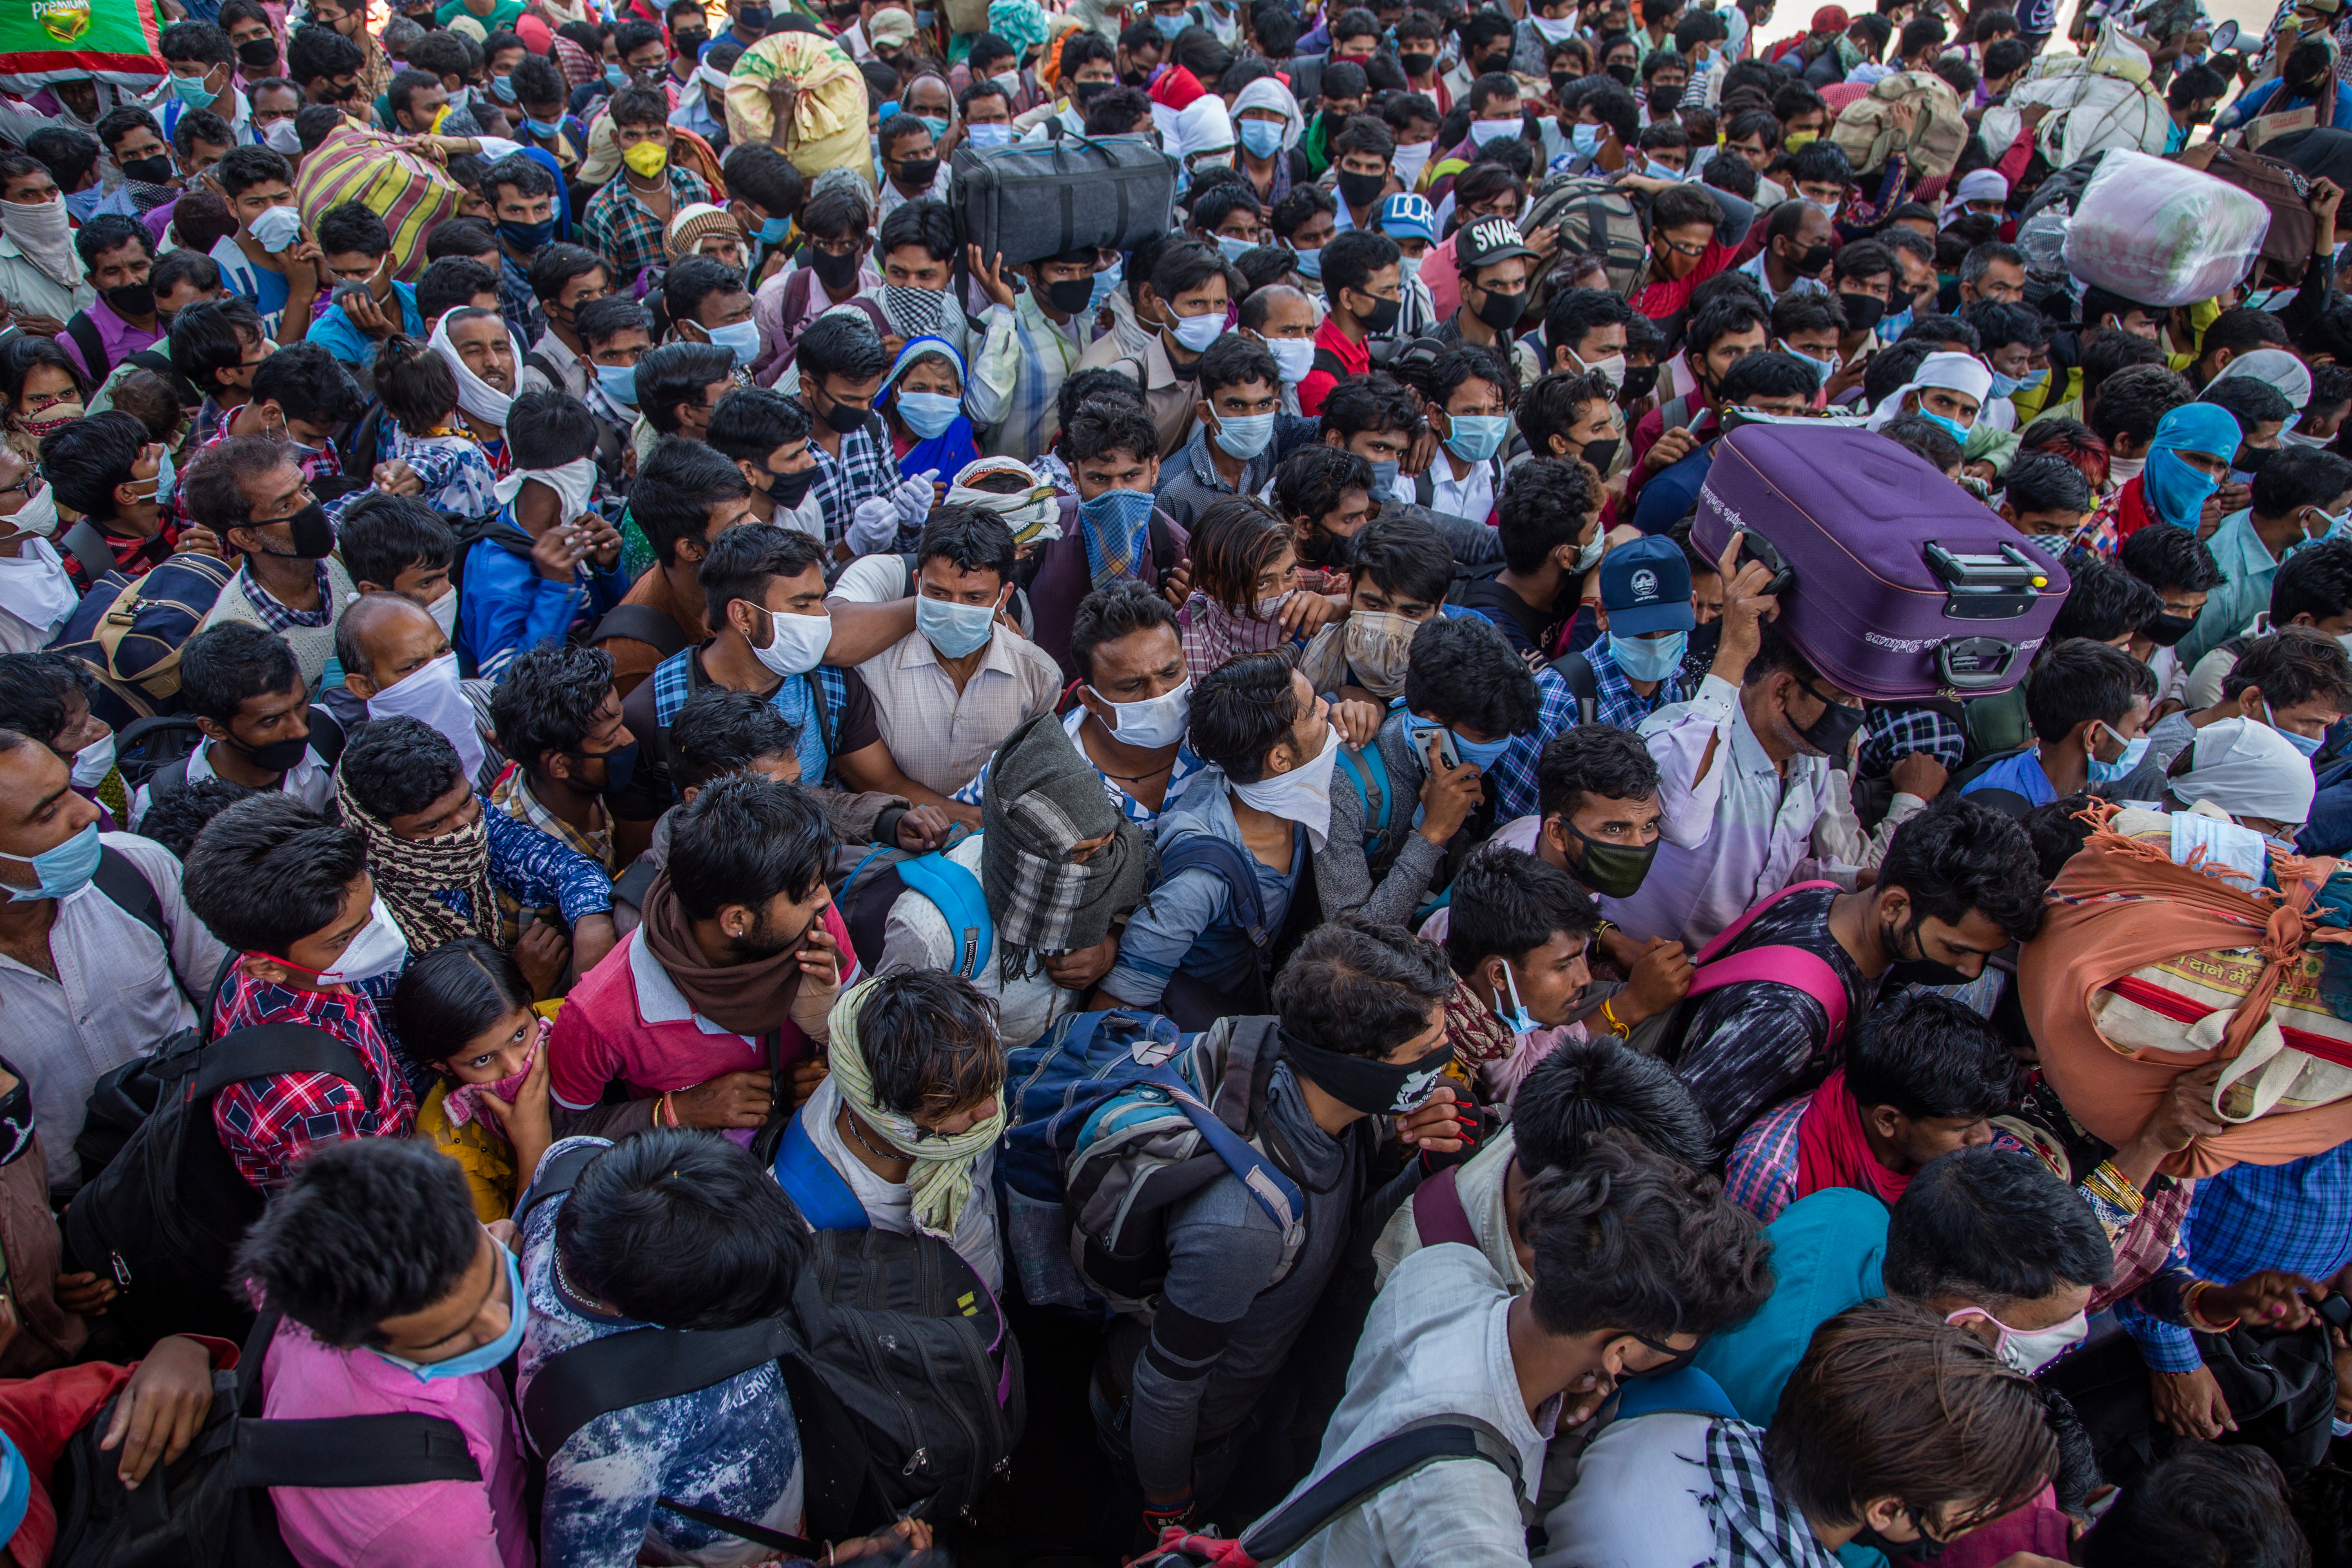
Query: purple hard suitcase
{"type": "Point", "coordinates": [1900, 585]}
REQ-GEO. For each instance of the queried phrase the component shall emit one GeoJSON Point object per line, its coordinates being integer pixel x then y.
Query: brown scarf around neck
{"type": "Point", "coordinates": [751, 998]}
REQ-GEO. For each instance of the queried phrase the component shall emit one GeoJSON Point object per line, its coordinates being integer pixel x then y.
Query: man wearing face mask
{"type": "Point", "coordinates": [1241, 432]}
{"type": "Point", "coordinates": [250, 489]}
{"type": "Point", "coordinates": [1284, 319]}
{"type": "Point", "coordinates": [1363, 284]}
{"type": "Point", "coordinates": [947, 693]}
{"type": "Point", "coordinates": [37, 593]}
{"type": "Point", "coordinates": [302, 397]}
{"type": "Point", "coordinates": [1798, 245]}
{"type": "Point", "coordinates": [253, 704]}
{"type": "Point", "coordinates": [2296, 680]}
{"type": "Point", "coordinates": [107, 468]}
{"type": "Point", "coordinates": [40, 274]}
{"type": "Point", "coordinates": [1645, 620]}
{"type": "Point", "coordinates": [1550, 539]}
{"type": "Point", "coordinates": [1360, 1032]}
{"type": "Point", "coordinates": [90, 978]}
{"type": "Point", "coordinates": [115, 254]}
{"type": "Point", "coordinates": [1493, 260]}
{"type": "Point", "coordinates": [290, 893]}
{"type": "Point", "coordinates": [1744, 773]}
{"type": "Point", "coordinates": [1958, 884]}
{"type": "Point", "coordinates": [1034, 340]}
{"type": "Point", "coordinates": [1465, 696]}
{"type": "Point", "coordinates": [2083, 723]}
{"type": "Point", "coordinates": [1185, 299]}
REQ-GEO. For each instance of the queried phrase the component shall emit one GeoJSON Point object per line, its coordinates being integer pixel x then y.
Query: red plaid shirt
{"type": "Point", "coordinates": [266, 1122]}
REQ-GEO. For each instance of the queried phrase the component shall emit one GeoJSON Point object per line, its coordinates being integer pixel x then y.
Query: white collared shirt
{"type": "Point", "coordinates": [939, 736]}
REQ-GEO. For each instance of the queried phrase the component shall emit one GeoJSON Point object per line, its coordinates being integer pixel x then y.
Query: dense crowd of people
{"type": "Point", "coordinates": [720, 881]}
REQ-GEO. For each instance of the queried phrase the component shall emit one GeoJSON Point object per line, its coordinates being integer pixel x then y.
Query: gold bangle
{"type": "Point", "coordinates": [2197, 1318]}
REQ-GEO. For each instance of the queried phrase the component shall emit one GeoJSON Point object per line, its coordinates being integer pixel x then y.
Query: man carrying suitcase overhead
{"type": "Point", "coordinates": [1743, 774]}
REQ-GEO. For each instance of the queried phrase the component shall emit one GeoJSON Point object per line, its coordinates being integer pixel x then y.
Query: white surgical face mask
{"type": "Point", "coordinates": [38, 515]}
{"type": "Point", "coordinates": [1611, 368]}
{"type": "Point", "coordinates": [2029, 1350]}
{"type": "Point", "coordinates": [1293, 357]}
{"type": "Point", "coordinates": [94, 762]}
{"type": "Point", "coordinates": [1303, 795]}
{"type": "Point", "coordinates": [1155, 722]}
{"type": "Point", "coordinates": [378, 947]}
{"type": "Point", "coordinates": [796, 644]}
{"type": "Point", "coordinates": [444, 611]}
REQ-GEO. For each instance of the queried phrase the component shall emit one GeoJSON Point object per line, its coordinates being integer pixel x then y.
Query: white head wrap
{"type": "Point", "coordinates": [1976, 185]}
{"type": "Point", "coordinates": [476, 396]}
{"type": "Point", "coordinates": [2248, 769]}
{"type": "Point", "coordinates": [1266, 93]}
{"type": "Point", "coordinates": [1204, 126]}
{"type": "Point", "coordinates": [2274, 367]}
{"type": "Point", "coordinates": [1952, 372]}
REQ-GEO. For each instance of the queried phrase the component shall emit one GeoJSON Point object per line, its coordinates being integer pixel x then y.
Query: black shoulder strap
{"type": "Point", "coordinates": [828, 724]}
{"type": "Point", "coordinates": [1163, 544]}
{"type": "Point", "coordinates": [639, 1368]}
{"type": "Point", "coordinates": [354, 1451]}
{"type": "Point", "coordinates": [1365, 1474]}
{"type": "Point", "coordinates": [264, 1050]}
{"type": "Point", "coordinates": [86, 544]}
{"type": "Point", "coordinates": [1182, 851]}
{"type": "Point", "coordinates": [84, 333]}
{"type": "Point", "coordinates": [168, 781]}
{"type": "Point", "coordinates": [1576, 670]}
{"type": "Point", "coordinates": [640, 623]}
{"type": "Point", "coordinates": [540, 362]}
{"type": "Point", "coordinates": [1328, 363]}
{"type": "Point", "coordinates": [760, 1534]}
{"type": "Point", "coordinates": [327, 735]}
{"type": "Point", "coordinates": [124, 883]}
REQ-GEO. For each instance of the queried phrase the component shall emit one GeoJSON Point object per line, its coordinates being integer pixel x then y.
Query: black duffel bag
{"type": "Point", "coordinates": [1034, 200]}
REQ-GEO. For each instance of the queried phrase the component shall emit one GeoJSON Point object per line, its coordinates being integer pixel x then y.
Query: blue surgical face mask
{"type": "Point", "coordinates": [1477, 436]}
{"type": "Point", "coordinates": [1522, 1022]}
{"type": "Point", "coordinates": [481, 1358]}
{"type": "Point", "coordinates": [743, 337]}
{"type": "Point", "coordinates": [2109, 773]}
{"type": "Point", "coordinates": [1243, 435]}
{"type": "Point", "coordinates": [955, 630]}
{"type": "Point", "coordinates": [1106, 281]}
{"type": "Point", "coordinates": [1261, 138]}
{"type": "Point", "coordinates": [1234, 249]}
{"type": "Point", "coordinates": [775, 230]}
{"type": "Point", "coordinates": [2003, 385]}
{"type": "Point", "coordinates": [1480, 755]}
{"type": "Point", "coordinates": [1584, 139]}
{"type": "Point", "coordinates": [938, 128]}
{"type": "Point", "coordinates": [928, 414]}
{"type": "Point", "coordinates": [1383, 480]}
{"type": "Point", "coordinates": [1648, 659]}
{"type": "Point", "coordinates": [193, 91]}
{"type": "Point", "coordinates": [67, 868]}
{"type": "Point", "coordinates": [620, 383]}
{"type": "Point", "coordinates": [989, 136]}
{"type": "Point", "coordinates": [166, 477]}
{"type": "Point", "coordinates": [545, 130]}
{"type": "Point", "coordinates": [2176, 491]}
{"type": "Point", "coordinates": [1959, 431]}
{"type": "Point", "coordinates": [617, 75]}
{"type": "Point", "coordinates": [503, 88]}
{"type": "Point", "coordinates": [1170, 26]}
{"type": "Point", "coordinates": [2033, 381]}
{"type": "Point", "coordinates": [1309, 263]}
{"type": "Point", "coordinates": [2308, 744]}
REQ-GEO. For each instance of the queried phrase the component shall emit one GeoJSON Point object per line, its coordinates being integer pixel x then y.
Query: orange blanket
{"type": "Point", "coordinates": [2120, 905]}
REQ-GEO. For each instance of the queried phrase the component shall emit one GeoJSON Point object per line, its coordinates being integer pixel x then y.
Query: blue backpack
{"type": "Point", "coordinates": [874, 883]}
{"type": "Point", "coordinates": [1115, 1116]}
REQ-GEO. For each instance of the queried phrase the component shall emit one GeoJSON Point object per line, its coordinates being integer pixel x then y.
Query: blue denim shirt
{"type": "Point", "coordinates": [1187, 922]}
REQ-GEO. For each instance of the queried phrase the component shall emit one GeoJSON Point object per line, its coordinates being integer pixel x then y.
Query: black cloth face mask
{"type": "Point", "coordinates": [1361, 1083]}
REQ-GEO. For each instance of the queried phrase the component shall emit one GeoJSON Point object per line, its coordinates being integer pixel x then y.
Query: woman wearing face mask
{"type": "Point", "coordinates": [491, 1111]}
{"type": "Point", "coordinates": [922, 401]}
{"type": "Point", "coordinates": [37, 594]}
{"type": "Point", "coordinates": [1244, 596]}
{"type": "Point", "coordinates": [42, 391]}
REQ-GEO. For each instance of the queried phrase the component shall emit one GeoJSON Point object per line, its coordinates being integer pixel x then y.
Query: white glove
{"type": "Point", "coordinates": [913, 500]}
{"type": "Point", "coordinates": [873, 527]}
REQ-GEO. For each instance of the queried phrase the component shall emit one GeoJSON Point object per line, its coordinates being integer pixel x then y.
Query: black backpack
{"type": "Point", "coordinates": [905, 1379]}
{"type": "Point", "coordinates": [210, 1507]}
{"type": "Point", "coordinates": [162, 1207]}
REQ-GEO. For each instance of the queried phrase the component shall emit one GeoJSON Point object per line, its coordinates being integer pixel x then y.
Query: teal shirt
{"type": "Point", "coordinates": [1826, 1252]}
{"type": "Point", "coordinates": [2247, 570]}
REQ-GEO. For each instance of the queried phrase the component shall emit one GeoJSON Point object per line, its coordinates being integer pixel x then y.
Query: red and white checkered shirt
{"type": "Point", "coordinates": [266, 1122]}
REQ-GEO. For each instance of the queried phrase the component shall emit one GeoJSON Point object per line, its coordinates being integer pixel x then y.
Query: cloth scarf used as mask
{"type": "Point", "coordinates": [2174, 492]}
{"type": "Point", "coordinates": [940, 1186]}
{"type": "Point", "coordinates": [410, 876]}
{"type": "Point", "coordinates": [464, 1101]}
{"type": "Point", "coordinates": [1213, 634]}
{"type": "Point", "coordinates": [1042, 797]}
{"type": "Point", "coordinates": [477, 398]}
{"type": "Point", "coordinates": [750, 998]}
{"type": "Point", "coordinates": [1832, 1152]}
{"type": "Point", "coordinates": [574, 484]}
{"type": "Point", "coordinates": [1033, 513]}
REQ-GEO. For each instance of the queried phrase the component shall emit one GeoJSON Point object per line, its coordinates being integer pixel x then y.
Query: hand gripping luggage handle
{"type": "Point", "coordinates": [1755, 546]}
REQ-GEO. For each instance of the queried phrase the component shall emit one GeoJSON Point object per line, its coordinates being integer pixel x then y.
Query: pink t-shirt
{"type": "Point", "coordinates": [626, 1020]}
{"type": "Point", "coordinates": [450, 1524]}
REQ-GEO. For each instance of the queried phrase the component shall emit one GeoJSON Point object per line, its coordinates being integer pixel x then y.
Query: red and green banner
{"type": "Point", "coordinates": [57, 40]}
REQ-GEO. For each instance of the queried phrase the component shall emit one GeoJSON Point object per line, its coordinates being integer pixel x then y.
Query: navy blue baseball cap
{"type": "Point", "coordinates": [1645, 586]}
